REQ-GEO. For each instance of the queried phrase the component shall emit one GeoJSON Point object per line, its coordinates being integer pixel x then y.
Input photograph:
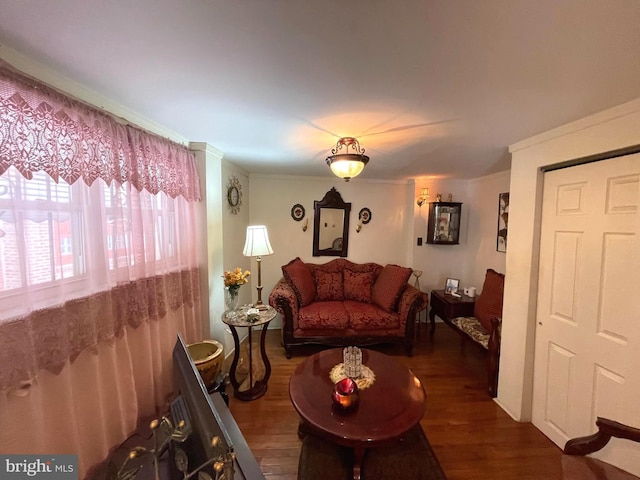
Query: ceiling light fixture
{"type": "Point", "coordinates": [424, 194]}
{"type": "Point", "coordinates": [347, 165]}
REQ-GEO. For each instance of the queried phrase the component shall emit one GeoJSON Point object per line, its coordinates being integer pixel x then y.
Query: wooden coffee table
{"type": "Point", "coordinates": [386, 410]}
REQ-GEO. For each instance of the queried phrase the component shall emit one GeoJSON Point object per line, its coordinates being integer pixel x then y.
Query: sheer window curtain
{"type": "Point", "coordinates": [98, 272]}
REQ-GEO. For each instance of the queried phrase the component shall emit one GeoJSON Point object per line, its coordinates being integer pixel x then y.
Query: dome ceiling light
{"type": "Point", "coordinates": [347, 164]}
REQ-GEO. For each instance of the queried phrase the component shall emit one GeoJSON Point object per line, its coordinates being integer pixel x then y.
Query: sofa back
{"type": "Point", "coordinates": [341, 279]}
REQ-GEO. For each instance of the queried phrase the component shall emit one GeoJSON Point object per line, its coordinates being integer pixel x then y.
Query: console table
{"type": "Point", "coordinates": [448, 307]}
{"type": "Point", "coordinates": [255, 385]}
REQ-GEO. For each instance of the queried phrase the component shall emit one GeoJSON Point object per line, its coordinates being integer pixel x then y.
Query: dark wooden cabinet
{"type": "Point", "coordinates": [448, 307]}
{"type": "Point", "coordinates": [444, 223]}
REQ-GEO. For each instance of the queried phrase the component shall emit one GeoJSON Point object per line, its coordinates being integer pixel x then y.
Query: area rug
{"type": "Point", "coordinates": [410, 457]}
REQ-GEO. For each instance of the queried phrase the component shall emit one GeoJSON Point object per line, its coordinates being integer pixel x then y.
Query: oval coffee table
{"type": "Point", "coordinates": [387, 409]}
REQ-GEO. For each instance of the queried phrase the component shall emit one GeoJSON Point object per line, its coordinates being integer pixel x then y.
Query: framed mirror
{"type": "Point", "coordinates": [331, 225]}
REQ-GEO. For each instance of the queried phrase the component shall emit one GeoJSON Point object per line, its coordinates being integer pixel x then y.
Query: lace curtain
{"type": "Point", "coordinates": [43, 130]}
{"type": "Point", "coordinates": [98, 272]}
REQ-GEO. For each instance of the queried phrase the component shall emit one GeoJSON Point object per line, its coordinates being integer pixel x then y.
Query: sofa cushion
{"type": "Point", "coordinates": [369, 316]}
{"type": "Point", "coordinates": [489, 303]}
{"type": "Point", "coordinates": [357, 285]}
{"type": "Point", "coordinates": [299, 276]}
{"type": "Point", "coordinates": [389, 286]}
{"type": "Point", "coordinates": [323, 315]}
{"type": "Point", "coordinates": [472, 327]}
{"type": "Point", "coordinates": [328, 285]}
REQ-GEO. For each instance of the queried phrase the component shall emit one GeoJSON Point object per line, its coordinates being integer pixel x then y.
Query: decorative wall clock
{"type": "Point", "coordinates": [234, 194]}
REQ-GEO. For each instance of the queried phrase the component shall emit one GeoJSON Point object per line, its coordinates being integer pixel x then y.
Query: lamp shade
{"type": "Point", "coordinates": [346, 167]}
{"type": "Point", "coordinates": [257, 242]}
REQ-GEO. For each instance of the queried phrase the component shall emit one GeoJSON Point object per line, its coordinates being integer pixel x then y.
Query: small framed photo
{"type": "Point", "coordinates": [451, 286]}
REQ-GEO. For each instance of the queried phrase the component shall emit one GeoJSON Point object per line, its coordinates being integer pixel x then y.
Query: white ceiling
{"type": "Point", "coordinates": [430, 87]}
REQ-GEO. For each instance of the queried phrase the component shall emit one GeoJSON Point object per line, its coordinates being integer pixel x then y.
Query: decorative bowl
{"type": "Point", "coordinates": [207, 356]}
{"type": "Point", "coordinates": [345, 394]}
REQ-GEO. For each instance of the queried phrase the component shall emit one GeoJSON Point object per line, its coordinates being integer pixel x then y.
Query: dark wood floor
{"type": "Point", "coordinates": [471, 435]}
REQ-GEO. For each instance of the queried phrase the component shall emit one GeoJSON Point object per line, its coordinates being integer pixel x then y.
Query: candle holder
{"type": "Point", "coordinates": [345, 395]}
{"type": "Point", "coordinates": [352, 358]}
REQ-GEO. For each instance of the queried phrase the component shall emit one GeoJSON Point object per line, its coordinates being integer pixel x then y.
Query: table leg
{"type": "Point", "coordinates": [255, 384]}
{"type": "Point", "coordinates": [432, 317]}
{"type": "Point", "coordinates": [236, 357]}
{"type": "Point", "coordinates": [250, 344]}
{"type": "Point", "coordinates": [358, 454]}
{"type": "Point", "coordinates": [263, 352]}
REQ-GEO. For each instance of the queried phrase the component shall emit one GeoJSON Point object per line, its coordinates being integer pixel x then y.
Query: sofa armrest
{"type": "Point", "coordinates": [283, 298]}
{"type": "Point", "coordinates": [411, 302]}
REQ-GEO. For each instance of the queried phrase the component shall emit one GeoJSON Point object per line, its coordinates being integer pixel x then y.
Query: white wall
{"type": "Point", "coordinates": [208, 232]}
{"type": "Point", "coordinates": [476, 252]}
{"type": "Point", "coordinates": [385, 239]}
{"type": "Point", "coordinates": [391, 236]}
{"type": "Point", "coordinates": [220, 236]}
{"type": "Point", "coordinates": [483, 226]}
{"type": "Point", "coordinates": [438, 262]}
{"type": "Point", "coordinates": [604, 132]}
{"type": "Point", "coordinates": [234, 226]}
{"type": "Point", "coordinates": [234, 230]}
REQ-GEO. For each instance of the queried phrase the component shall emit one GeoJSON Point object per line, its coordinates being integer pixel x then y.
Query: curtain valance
{"type": "Point", "coordinates": [42, 129]}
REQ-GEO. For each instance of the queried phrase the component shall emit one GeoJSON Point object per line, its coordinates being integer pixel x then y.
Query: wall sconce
{"type": "Point", "coordinates": [306, 225]}
{"type": "Point", "coordinates": [424, 194]}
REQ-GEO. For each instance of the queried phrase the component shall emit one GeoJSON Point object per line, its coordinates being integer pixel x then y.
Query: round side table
{"type": "Point", "coordinates": [255, 385]}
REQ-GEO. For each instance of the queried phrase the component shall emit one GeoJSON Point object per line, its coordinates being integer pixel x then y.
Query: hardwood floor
{"type": "Point", "coordinates": [471, 435]}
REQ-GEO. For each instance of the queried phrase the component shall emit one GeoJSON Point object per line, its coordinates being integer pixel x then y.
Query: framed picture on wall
{"type": "Point", "coordinates": [503, 221]}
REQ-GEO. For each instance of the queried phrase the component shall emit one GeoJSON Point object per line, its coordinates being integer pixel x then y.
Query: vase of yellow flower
{"type": "Point", "coordinates": [233, 280]}
{"type": "Point", "coordinates": [231, 298]}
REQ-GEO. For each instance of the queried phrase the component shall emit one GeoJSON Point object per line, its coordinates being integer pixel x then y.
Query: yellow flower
{"type": "Point", "coordinates": [236, 277]}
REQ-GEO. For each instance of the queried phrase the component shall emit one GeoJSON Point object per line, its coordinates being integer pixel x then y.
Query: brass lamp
{"type": "Point", "coordinates": [256, 245]}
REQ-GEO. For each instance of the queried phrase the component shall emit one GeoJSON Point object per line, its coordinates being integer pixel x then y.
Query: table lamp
{"type": "Point", "coordinates": [257, 245]}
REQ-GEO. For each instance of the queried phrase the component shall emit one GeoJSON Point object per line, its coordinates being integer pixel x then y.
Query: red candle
{"type": "Point", "coordinates": [345, 394]}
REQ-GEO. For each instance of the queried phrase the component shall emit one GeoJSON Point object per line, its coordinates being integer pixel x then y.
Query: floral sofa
{"type": "Point", "coordinates": [343, 303]}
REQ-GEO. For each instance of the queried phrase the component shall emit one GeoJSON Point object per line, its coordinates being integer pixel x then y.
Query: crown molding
{"type": "Point", "coordinates": [628, 108]}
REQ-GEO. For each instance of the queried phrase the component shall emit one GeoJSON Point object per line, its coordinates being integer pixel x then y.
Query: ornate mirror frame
{"type": "Point", "coordinates": [325, 210]}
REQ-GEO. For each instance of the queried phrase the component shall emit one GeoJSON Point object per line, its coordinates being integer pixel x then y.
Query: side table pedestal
{"type": "Point", "coordinates": [258, 368]}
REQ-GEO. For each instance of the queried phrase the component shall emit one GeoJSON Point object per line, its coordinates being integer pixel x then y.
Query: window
{"type": "Point", "coordinates": [35, 216]}
{"type": "Point", "coordinates": [52, 234]}
{"type": "Point", "coordinates": [76, 213]}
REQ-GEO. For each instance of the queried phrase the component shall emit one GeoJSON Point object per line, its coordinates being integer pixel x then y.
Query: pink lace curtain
{"type": "Point", "coordinates": [50, 338]}
{"type": "Point", "coordinates": [97, 276]}
{"type": "Point", "coordinates": [43, 130]}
